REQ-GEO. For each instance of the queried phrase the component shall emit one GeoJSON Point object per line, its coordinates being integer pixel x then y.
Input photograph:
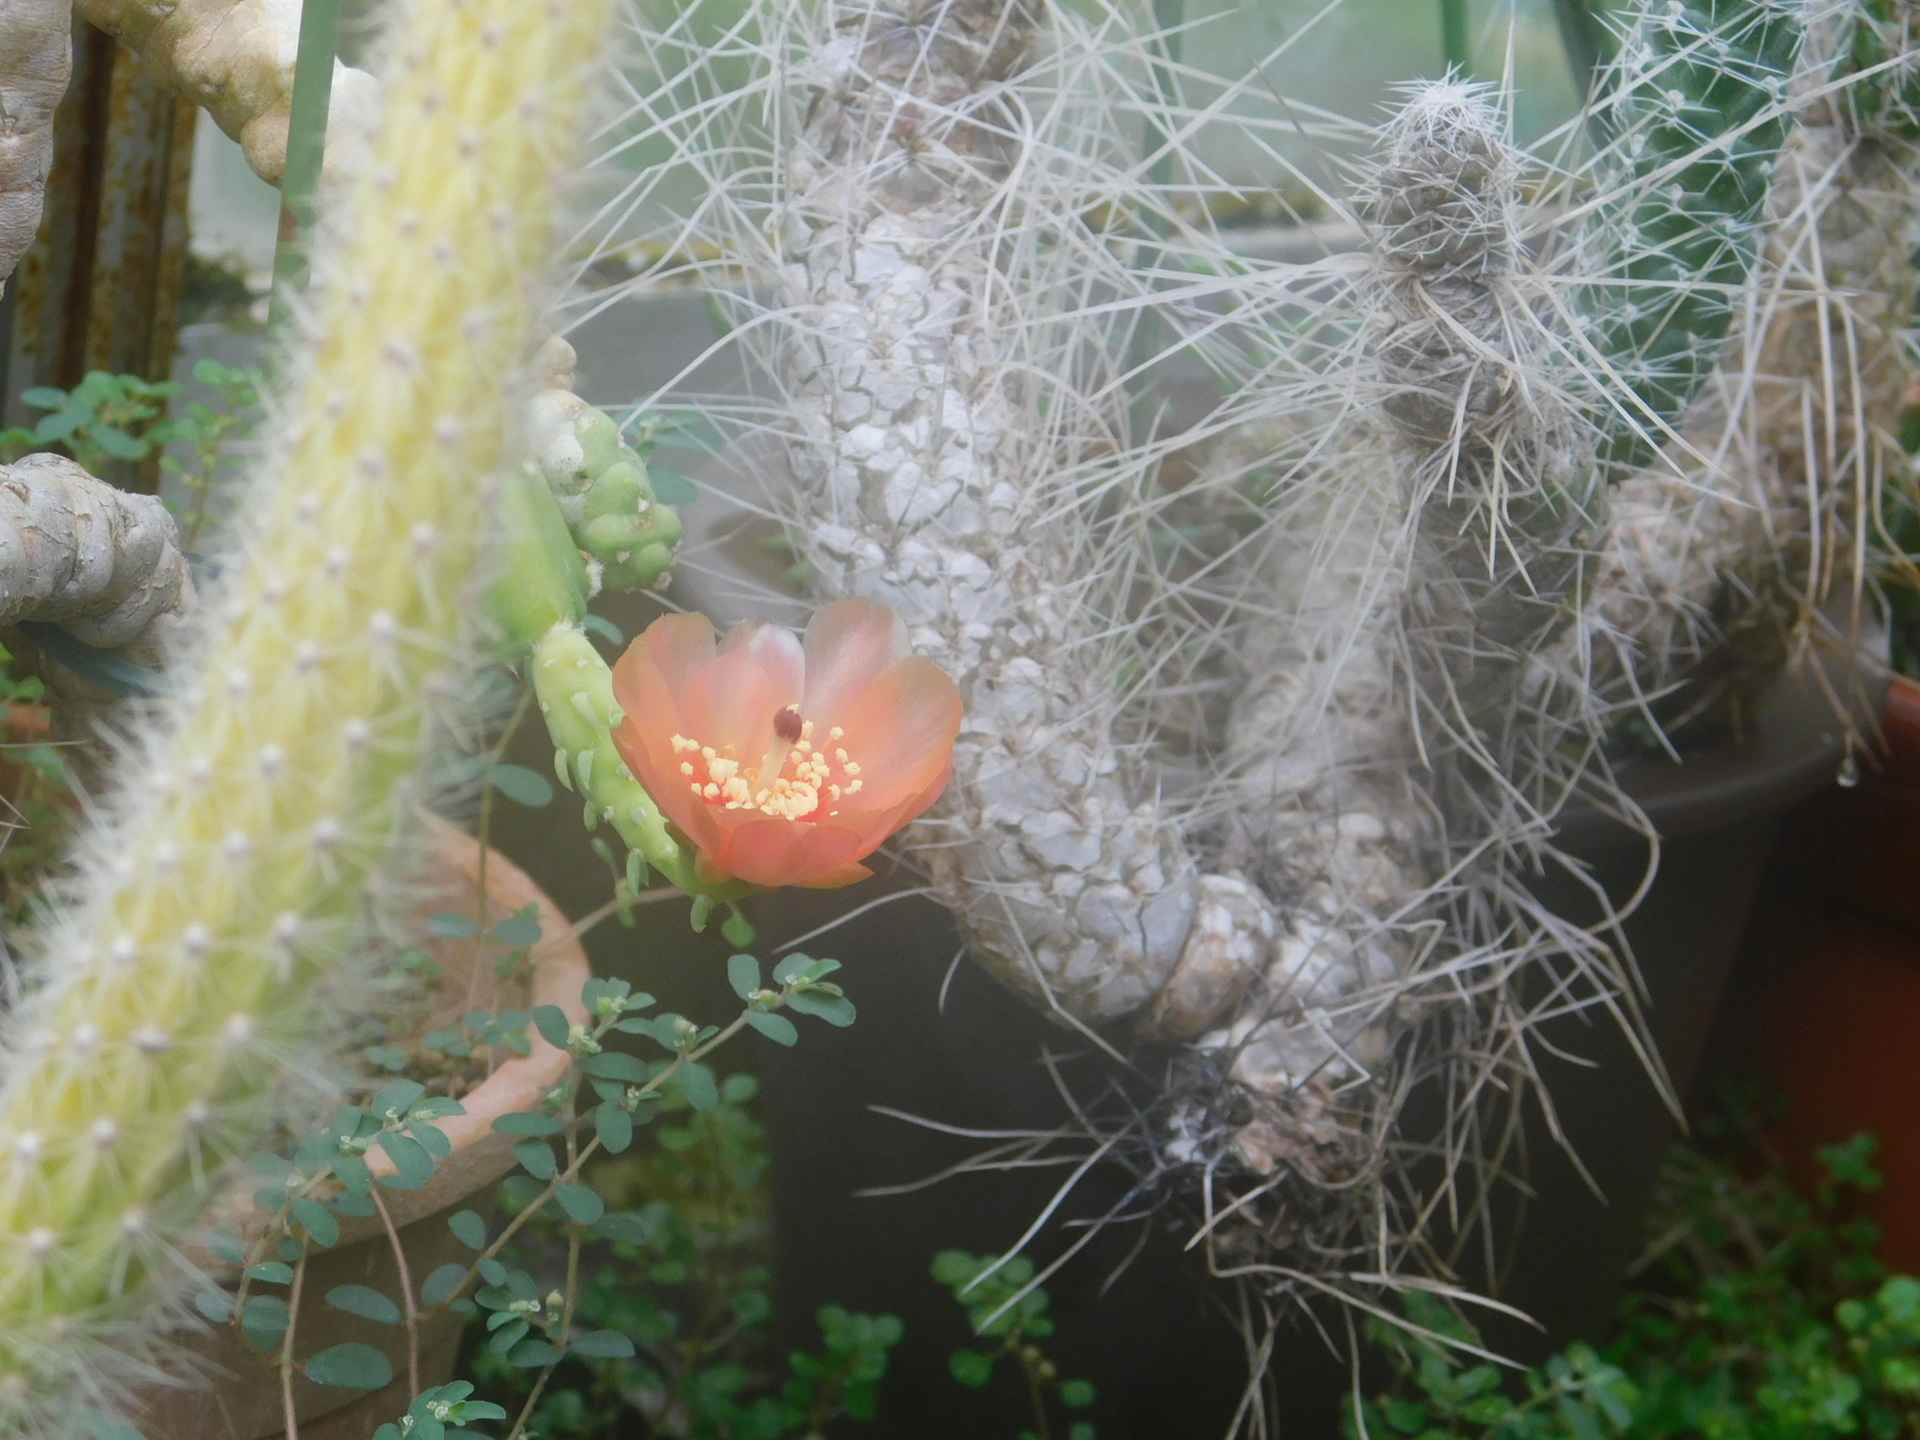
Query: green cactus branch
{"type": "Point", "coordinates": [1698, 120]}
{"type": "Point", "coordinates": [230, 875]}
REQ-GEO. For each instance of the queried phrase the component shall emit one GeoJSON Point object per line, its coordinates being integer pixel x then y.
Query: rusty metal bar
{"type": "Point", "coordinates": [100, 289]}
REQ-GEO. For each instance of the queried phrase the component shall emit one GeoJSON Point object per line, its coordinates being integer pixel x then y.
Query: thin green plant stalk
{"type": "Point", "coordinates": [306, 153]}
{"type": "Point", "coordinates": [229, 874]}
{"type": "Point", "coordinates": [1456, 45]}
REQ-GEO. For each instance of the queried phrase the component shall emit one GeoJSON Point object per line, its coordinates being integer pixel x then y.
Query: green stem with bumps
{"type": "Point", "coordinates": [575, 689]}
{"type": "Point", "coordinates": [1698, 119]}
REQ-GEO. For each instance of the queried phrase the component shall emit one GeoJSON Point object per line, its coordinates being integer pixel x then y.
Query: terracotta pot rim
{"type": "Point", "coordinates": [481, 1155]}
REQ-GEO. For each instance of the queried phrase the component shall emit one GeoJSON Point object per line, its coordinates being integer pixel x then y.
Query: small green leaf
{"type": "Point", "coordinates": [360, 1207]}
{"type": "Point", "coordinates": [738, 930]}
{"type": "Point", "coordinates": [264, 1319]}
{"type": "Point", "coordinates": [396, 1098]}
{"type": "Point", "coordinates": [366, 1302]}
{"type": "Point", "coordinates": [670, 487]}
{"type": "Point", "coordinates": [537, 1158]}
{"type": "Point", "coordinates": [613, 1065]}
{"type": "Point", "coordinates": [43, 397]}
{"type": "Point", "coordinates": [530, 1353]}
{"type": "Point", "coordinates": [1076, 1394]}
{"type": "Point", "coordinates": [105, 1427]}
{"type": "Point", "coordinates": [602, 1345]}
{"type": "Point", "coordinates": [216, 1305]}
{"type": "Point", "coordinates": [469, 1229]}
{"type": "Point", "coordinates": [520, 929]}
{"type": "Point", "coordinates": [350, 1367]}
{"type": "Point", "coordinates": [834, 1009]}
{"type": "Point", "coordinates": [117, 443]}
{"type": "Point", "coordinates": [776, 1028]}
{"type": "Point", "coordinates": [433, 1138]}
{"type": "Point", "coordinates": [697, 1083]}
{"type": "Point", "coordinates": [450, 926]}
{"type": "Point", "coordinates": [581, 1204]}
{"type": "Point", "coordinates": [972, 1368]}
{"type": "Point", "coordinates": [792, 965]}
{"type": "Point", "coordinates": [603, 627]}
{"type": "Point", "coordinates": [317, 1221]}
{"type": "Point", "coordinates": [508, 1336]}
{"type": "Point", "coordinates": [743, 973]}
{"type": "Point", "coordinates": [528, 1122]}
{"type": "Point", "coordinates": [614, 1126]}
{"type": "Point", "coordinates": [551, 1022]}
{"type": "Point", "coordinates": [273, 1272]}
{"type": "Point", "coordinates": [58, 425]}
{"type": "Point", "coordinates": [412, 1162]}
{"type": "Point", "coordinates": [442, 1282]}
{"type": "Point", "coordinates": [521, 785]}
{"type": "Point", "coordinates": [625, 1227]}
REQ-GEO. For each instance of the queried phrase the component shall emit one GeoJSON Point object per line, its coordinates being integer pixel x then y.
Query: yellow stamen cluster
{"type": "Point", "coordinates": [718, 777]}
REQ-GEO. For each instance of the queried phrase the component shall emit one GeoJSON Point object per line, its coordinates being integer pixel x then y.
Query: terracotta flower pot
{"type": "Point", "coordinates": [1838, 978]}
{"type": "Point", "coordinates": [240, 1398]}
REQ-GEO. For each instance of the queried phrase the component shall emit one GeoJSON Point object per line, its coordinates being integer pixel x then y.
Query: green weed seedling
{"type": "Point", "coordinates": [1003, 1304]}
{"type": "Point", "coordinates": [679, 1305]}
{"type": "Point", "coordinates": [1764, 1315]}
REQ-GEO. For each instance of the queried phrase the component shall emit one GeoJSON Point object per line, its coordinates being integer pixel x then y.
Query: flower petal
{"type": "Point", "coordinates": [848, 644]}
{"type": "Point", "coordinates": [760, 671]}
{"type": "Point", "coordinates": [900, 732]}
{"type": "Point", "coordinates": [651, 680]}
{"type": "Point", "coordinates": [651, 759]}
{"type": "Point", "coordinates": [880, 824]}
{"type": "Point", "coordinates": [770, 852]}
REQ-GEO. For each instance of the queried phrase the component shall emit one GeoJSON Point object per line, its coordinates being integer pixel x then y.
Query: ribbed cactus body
{"type": "Point", "coordinates": [1721, 546]}
{"type": "Point", "coordinates": [604, 493]}
{"type": "Point", "coordinates": [1697, 120]}
{"type": "Point", "coordinates": [231, 871]}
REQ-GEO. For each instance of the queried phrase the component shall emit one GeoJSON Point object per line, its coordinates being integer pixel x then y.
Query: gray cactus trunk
{"type": "Point", "coordinates": [922, 447]}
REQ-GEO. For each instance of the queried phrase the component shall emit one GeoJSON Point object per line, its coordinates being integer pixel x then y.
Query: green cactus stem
{"type": "Point", "coordinates": [178, 987]}
{"type": "Point", "coordinates": [1698, 117]}
{"type": "Point", "coordinates": [602, 486]}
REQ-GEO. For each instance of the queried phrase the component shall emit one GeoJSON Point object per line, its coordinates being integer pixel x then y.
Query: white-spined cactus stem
{"type": "Point", "coordinates": [229, 872]}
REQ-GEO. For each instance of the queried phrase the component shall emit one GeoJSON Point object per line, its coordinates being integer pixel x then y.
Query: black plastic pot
{"type": "Point", "coordinates": [1717, 814]}
{"type": "Point", "coordinates": [1169, 1368]}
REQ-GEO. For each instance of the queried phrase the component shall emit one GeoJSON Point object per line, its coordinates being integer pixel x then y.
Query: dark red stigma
{"type": "Point", "coordinates": [786, 723]}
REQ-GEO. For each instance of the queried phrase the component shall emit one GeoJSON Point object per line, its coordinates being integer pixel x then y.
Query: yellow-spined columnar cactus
{"type": "Point", "coordinates": [228, 873]}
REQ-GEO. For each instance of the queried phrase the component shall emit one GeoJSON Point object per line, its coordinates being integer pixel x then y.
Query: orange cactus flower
{"type": "Point", "coordinates": [786, 763]}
